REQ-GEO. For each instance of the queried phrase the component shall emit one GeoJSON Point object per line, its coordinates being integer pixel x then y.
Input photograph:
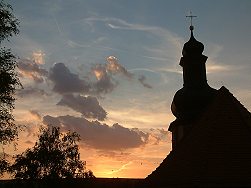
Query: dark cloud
{"type": "Point", "coordinates": [89, 106]}
{"type": "Point", "coordinates": [105, 75]}
{"type": "Point", "coordinates": [118, 155]}
{"type": "Point", "coordinates": [105, 82]}
{"type": "Point", "coordinates": [142, 80]}
{"type": "Point", "coordinates": [31, 69]}
{"type": "Point", "coordinates": [54, 121]}
{"type": "Point", "coordinates": [105, 72]}
{"type": "Point", "coordinates": [100, 136]}
{"type": "Point", "coordinates": [65, 81]}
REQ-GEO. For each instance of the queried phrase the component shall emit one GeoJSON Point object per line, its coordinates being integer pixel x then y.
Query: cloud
{"type": "Point", "coordinates": [38, 57]}
{"type": "Point", "coordinates": [31, 69]}
{"type": "Point", "coordinates": [120, 169]}
{"type": "Point", "coordinates": [160, 135]}
{"type": "Point", "coordinates": [100, 136]}
{"type": "Point", "coordinates": [142, 79]}
{"type": "Point", "coordinates": [31, 91]}
{"type": "Point", "coordinates": [114, 67]}
{"type": "Point", "coordinates": [171, 40]}
{"type": "Point", "coordinates": [65, 81]}
{"type": "Point", "coordinates": [105, 82]}
{"type": "Point", "coordinates": [116, 23]}
{"type": "Point", "coordinates": [119, 155]}
{"type": "Point", "coordinates": [89, 106]}
{"type": "Point", "coordinates": [35, 114]}
{"type": "Point", "coordinates": [105, 73]}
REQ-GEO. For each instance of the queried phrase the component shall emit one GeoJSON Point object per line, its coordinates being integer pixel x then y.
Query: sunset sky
{"type": "Point", "coordinates": [108, 69]}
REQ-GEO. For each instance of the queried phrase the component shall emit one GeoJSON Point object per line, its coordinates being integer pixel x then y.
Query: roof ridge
{"type": "Point", "coordinates": [246, 115]}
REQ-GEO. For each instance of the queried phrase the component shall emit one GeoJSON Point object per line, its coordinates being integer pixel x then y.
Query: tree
{"type": "Point", "coordinates": [9, 80]}
{"type": "Point", "coordinates": [4, 165]}
{"type": "Point", "coordinates": [55, 155]}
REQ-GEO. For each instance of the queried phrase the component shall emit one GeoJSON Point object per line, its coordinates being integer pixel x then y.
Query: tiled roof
{"type": "Point", "coordinates": [216, 152]}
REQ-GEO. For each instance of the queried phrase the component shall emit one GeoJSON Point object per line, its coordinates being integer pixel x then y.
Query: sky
{"type": "Point", "coordinates": [108, 69]}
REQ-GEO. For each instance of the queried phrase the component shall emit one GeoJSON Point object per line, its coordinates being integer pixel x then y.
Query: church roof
{"type": "Point", "coordinates": [217, 151]}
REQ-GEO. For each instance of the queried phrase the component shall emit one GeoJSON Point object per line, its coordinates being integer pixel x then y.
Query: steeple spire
{"type": "Point", "coordinates": [190, 101]}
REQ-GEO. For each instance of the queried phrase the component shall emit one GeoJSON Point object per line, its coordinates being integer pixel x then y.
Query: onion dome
{"type": "Point", "coordinates": [192, 47]}
{"type": "Point", "coordinates": [189, 103]}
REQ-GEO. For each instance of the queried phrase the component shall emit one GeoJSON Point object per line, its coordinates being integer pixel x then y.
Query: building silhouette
{"type": "Point", "coordinates": [211, 136]}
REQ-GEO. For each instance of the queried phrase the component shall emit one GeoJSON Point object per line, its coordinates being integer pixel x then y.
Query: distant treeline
{"type": "Point", "coordinates": [74, 183]}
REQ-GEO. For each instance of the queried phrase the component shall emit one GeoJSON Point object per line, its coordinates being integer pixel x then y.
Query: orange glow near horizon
{"type": "Point", "coordinates": [129, 163]}
{"type": "Point", "coordinates": [139, 163]}
{"type": "Point", "coordinates": [124, 170]}
{"type": "Point", "coordinates": [136, 163]}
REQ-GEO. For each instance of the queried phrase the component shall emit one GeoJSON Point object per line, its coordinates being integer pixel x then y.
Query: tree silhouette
{"type": "Point", "coordinates": [4, 165]}
{"type": "Point", "coordinates": [8, 80]}
{"type": "Point", "coordinates": [8, 76]}
{"type": "Point", "coordinates": [55, 155]}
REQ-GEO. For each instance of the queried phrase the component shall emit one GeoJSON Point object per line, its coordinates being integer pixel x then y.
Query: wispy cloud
{"type": "Point", "coordinates": [142, 80]}
{"type": "Point", "coordinates": [120, 169]}
{"type": "Point", "coordinates": [32, 92]}
{"type": "Point", "coordinates": [211, 68]}
{"type": "Point", "coordinates": [171, 42]}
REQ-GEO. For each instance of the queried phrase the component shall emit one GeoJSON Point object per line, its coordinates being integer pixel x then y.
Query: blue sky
{"type": "Point", "coordinates": [125, 56]}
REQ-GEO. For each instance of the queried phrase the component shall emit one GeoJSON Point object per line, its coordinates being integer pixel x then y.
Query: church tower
{"type": "Point", "coordinates": [211, 135]}
{"type": "Point", "coordinates": [191, 100]}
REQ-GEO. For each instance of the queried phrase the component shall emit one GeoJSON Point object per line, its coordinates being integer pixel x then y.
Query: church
{"type": "Point", "coordinates": [211, 136]}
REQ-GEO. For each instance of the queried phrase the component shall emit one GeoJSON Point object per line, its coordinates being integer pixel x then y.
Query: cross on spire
{"type": "Point", "coordinates": [191, 16]}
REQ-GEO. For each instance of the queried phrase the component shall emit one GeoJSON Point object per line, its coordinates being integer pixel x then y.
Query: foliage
{"type": "Point", "coordinates": [9, 80]}
{"type": "Point", "coordinates": [4, 165]}
{"type": "Point", "coordinates": [8, 22]}
{"type": "Point", "coordinates": [55, 155]}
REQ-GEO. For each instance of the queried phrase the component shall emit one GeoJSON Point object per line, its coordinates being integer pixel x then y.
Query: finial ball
{"type": "Point", "coordinates": [191, 28]}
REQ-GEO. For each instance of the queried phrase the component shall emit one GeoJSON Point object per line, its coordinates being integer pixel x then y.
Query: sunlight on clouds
{"type": "Point", "coordinates": [211, 68]}
{"type": "Point", "coordinates": [130, 163]}
{"type": "Point", "coordinates": [27, 116]}
{"type": "Point", "coordinates": [106, 166]}
{"type": "Point", "coordinates": [38, 57]}
{"type": "Point", "coordinates": [139, 162]}
{"type": "Point", "coordinates": [140, 118]}
{"type": "Point", "coordinates": [111, 67]}
{"type": "Point", "coordinates": [99, 73]}
{"type": "Point", "coordinates": [112, 64]}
